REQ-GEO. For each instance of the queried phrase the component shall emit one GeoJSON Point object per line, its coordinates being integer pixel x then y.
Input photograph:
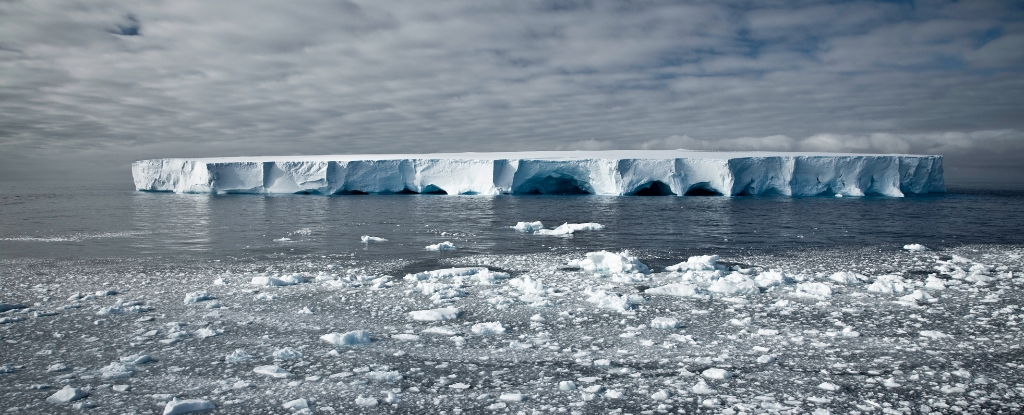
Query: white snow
{"type": "Point", "coordinates": [443, 246]}
{"type": "Point", "coordinates": [680, 289]}
{"type": "Point", "coordinates": [437, 314]}
{"type": "Point", "coordinates": [619, 172]}
{"type": "Point", "coordinates": [348, 339]}
{"type": "Point", "coordinates": [916, 247]}
{"type": "Point", "coordinates": [186, 406]}
{"type": "Point", "coordinates": [367, 239]}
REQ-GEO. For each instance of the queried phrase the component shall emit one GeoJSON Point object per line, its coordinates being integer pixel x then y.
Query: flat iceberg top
{"type": "Point", "coordinates": [618, 173]}
{"type": "Point", "coordinates": [542, 155]}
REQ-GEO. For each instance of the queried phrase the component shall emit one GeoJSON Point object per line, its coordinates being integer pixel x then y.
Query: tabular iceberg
{"type": "Point", "coordinates": [627, 172]}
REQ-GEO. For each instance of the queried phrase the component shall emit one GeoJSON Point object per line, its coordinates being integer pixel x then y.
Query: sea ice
{"type": "Point", "coordinates": [186, 406]}
{"type": "Point", "coordinates": [680, 289]}
{"type": "Point", "coordinates": [814, 290]}
{"type": "Point", "coordinates": [916, 247]}
{"type": "Point", "coordinates": [67, 394]}
{"type": "Point", "coordinates": [372, 239]}
{"type": "Point", "coordinates": [296, 404]}
{"type": "Point", "coordinates": [443, 246]}
{"type": "Point", "coordinates": [567, 229]}
{"type": "Point", "coordinates": [847, 277]}
{"type": "Point", "coordinates": [351, 338]}
{"type": "Point", "coordinates": [528, 226]}
{"type": "Point", "coordinates": [273, 371]}
{"type": "Point", "coordinates": [197, 296]}
{"type": "Point", "coordinates": [664, 323]}
{"type": "Point", "coordinates": [488, 328]}
{"type": "Point", "coordinates": [604, 262]}
{"type": "Point", "coordinates": [697, 263]}
{"type": "Point", "coordinates": [437, 314]}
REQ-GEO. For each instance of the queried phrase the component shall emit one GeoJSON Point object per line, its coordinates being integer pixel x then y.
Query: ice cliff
{"type": "Point", "coordinates": [631, 172]}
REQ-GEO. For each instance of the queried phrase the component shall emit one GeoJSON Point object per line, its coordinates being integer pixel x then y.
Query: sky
{"type": "Point", "coordinates": [88, 87]}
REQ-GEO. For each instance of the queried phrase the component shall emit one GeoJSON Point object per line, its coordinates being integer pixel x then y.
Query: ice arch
{"type": "Point", "coordinates": [654, 188]}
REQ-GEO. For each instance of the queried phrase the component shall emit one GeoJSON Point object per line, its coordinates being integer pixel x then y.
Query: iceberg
{"type": "Point", "coordinates": [618, 173]}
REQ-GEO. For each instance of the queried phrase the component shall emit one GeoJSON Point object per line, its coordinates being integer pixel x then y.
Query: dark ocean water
{"type": "Point", "coordinates": [112, 220]}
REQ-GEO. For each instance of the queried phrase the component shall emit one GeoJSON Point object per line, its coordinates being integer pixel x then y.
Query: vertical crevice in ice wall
{"type": "Point", "coordinates": [799, 175]}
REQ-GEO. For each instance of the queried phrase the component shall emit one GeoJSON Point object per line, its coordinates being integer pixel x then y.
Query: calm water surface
{"type": "Point", "coordinates": [112, 220]}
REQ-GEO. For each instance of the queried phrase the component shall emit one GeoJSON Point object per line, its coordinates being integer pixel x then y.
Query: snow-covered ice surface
{"type": "Point", "coordinates": [620, 172]}
{"type": "Point", "coordinates": [845, 330]}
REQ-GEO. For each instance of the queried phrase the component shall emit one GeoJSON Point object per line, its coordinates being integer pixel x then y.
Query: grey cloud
{"type": "Point", "coordinates": [261, 77]}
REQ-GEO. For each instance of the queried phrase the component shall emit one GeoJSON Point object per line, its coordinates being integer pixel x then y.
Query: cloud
{"type": "Point", "coordinates": [92, 86]}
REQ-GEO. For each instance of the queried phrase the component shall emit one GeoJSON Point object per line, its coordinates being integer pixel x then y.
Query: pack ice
{"type": "Point", "coordinates": [626, 172]}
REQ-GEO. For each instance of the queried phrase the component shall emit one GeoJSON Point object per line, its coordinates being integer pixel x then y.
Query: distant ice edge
{"type": "Point", "coordinates": [790, 175]}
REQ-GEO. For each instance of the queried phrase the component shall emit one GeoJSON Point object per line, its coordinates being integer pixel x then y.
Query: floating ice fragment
{"type": "Point", "coordinates": [612, 301]}
{"type": "Point", "coordinates": [380, 376]}
{"type": "Point", "coordinates": [829, 386]}
{"type": "Point", "coordinates": [528, 226]}
{"type": "Point", "coordinates": [287, 353]}
{"type": "Point", "coordinates": [847, 277]}
{"type": "Point", "coordinates": [771, 278]}
{"type": "Point", "coordinates": [437, 314]}
{"type": "Point", "coordinates": [567, 385]}
{"type": "Point", "coordinates": [512, 397]}
{"type": "Point", "coordinates": [734, 284]}
{"type": "Point", "coordinates": [889, 284]}
{"type": "Point", "coordinates": [567, 229]}
{"type": "Point", "coordinates": [488, 328]}
{"type": "Point", "coordinates": [67, 394]}
{"type": "Point", "coordinates": [814, 290]}
{"type": "Point", "coordinates": [296, 405]}
{"type": "Point", "coordinates": [443, 246]}
{"type": "Point", "coordinates": [136, 359]}
{"type": "Point", "coordinates": [933, 334]}
{"type": "Point", "coordinates": [237, 356]}
{"type": "Point", "coordinates": [697, 263]}
{"type": "Point", "coordinates": [186, 406]}
{"type": "Point", "coordinates": [278, 281]}
{"type": "Point", "coordinates": [117, 370]}
{"type": "Point", "coordinates": [361, 401]}
{"type": "Point", "coordinates": [604, 262]}
{"type": "Point", "coordinates": [716, 373]}
{"type": "Point", "coordinates": [764, 359]}
{"type": "Point", "coordinates": [348, 339]}
{"type": "Point", "coordinates": [406, 337]}
{"type": "Point", "coordinates": [680, 289]}
{"type": "Point", "coordinates": [273, 371]}
{"type": "Point", "coordinates": [367, 239]}
{"type": "Point", "coordinates": [916, 248]}
{"type": "Point", "coordinates": [661, 395]}
{"type": "Point", "coordinates": [664, 323]}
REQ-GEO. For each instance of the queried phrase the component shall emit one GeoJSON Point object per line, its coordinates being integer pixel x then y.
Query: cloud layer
{"type": "Point", "coordinates": [92, 86]}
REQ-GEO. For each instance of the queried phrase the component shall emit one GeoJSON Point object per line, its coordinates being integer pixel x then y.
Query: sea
{"type": "Point", "coordinates": [112, 220]}
{"type": "Point", "coordinates": [125, 302]}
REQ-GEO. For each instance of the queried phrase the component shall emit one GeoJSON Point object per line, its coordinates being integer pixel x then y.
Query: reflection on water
{"type": "Point", "coordinates": [114, 222]}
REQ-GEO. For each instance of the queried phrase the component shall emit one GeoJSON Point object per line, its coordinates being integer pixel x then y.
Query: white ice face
{"type": "Point", "coordinates": [617, 173]}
